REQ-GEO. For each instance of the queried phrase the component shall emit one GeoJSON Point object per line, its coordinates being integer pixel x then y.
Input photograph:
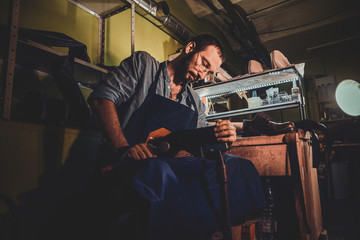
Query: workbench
{"type": "Point", "coordinates": [290, 156]}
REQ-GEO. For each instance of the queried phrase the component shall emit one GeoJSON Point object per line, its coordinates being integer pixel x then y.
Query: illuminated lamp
{"type": "Point", "coordinates": [347, 96]}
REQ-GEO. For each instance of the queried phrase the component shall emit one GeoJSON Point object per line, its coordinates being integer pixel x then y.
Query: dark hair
{"type": "Point", "coordinates": [204, 40]}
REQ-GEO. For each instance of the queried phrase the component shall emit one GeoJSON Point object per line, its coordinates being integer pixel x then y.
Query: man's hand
{"type": "Point", "coordinates": [225, 131]}
{"type": "Point", "coordinates": [137, 152]}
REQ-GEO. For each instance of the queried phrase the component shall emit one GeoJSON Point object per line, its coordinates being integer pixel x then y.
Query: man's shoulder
{"type": "Point", "coordinates": [144, 56]}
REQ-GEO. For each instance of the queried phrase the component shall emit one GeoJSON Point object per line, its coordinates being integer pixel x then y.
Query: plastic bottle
{"type": "Point", "coordinates": [295, 91]}
{"type": "Point", "coordinates": [268, 222]}
{"type": "Point", "coordinates": [254, 101]}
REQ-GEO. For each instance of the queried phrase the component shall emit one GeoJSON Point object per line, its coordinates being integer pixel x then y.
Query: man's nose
{"type": "Point", "coordinates": [202, 74]}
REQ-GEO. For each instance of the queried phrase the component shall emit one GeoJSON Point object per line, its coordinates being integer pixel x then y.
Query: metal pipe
{"type": "Point", "coordinates": [149, 6]}
{"type": "Point", "coordinates": [160, 11]}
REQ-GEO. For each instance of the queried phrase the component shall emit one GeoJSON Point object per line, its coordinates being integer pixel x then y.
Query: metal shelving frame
{"type": "Point", "coordinates": [248, 82]}
{"type": "Point", "coordinates": [10, 61]}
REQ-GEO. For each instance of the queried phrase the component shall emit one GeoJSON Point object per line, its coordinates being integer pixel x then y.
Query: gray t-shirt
{"type": "Point", "coordinates": [127, 86]}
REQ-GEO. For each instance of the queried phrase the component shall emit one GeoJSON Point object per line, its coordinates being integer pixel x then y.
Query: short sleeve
{"type": "Point", "coordinates": [120, 84]}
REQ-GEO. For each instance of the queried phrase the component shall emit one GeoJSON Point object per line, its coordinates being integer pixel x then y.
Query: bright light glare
{"type": "Point", "coordinates": [347, 96]}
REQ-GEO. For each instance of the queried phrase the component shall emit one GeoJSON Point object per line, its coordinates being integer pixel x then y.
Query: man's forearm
{"type": "Point", "coordinates": [107, 120]}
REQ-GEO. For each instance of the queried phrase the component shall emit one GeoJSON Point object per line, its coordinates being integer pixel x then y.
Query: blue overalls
{"type": "Point", "coordinates": [184, 192]}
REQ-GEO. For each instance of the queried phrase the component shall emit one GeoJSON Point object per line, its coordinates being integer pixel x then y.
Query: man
{"type": "Point", "coordinates": [200, 57]}
{"type": "Point", "coordinates": [142, 96]}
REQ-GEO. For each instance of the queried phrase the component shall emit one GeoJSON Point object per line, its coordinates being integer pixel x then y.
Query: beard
{"type": "Point", "coordinates": [182, 69]}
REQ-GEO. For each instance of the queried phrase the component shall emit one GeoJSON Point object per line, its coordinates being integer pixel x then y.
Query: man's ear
{"type": "Point", "coordinates": [190, 47]}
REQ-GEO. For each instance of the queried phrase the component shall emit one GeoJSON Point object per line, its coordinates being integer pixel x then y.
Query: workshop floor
{"type": "Point", "coordinates": [341, 219]}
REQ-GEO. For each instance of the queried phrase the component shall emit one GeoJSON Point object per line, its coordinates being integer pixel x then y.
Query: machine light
{"type": "Point", "coordinates": [347, 96]}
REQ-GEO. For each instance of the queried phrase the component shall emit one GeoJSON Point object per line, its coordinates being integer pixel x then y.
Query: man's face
{"type": "Point", "coordinates": [197, 65]}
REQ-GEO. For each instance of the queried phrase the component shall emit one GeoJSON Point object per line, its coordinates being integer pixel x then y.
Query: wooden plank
{"type": "Point", "coordinates": [236, 232]}
{"type": "Point", "coordinates": [316, 214]}
{"type": "Point", "coordinates": [259, 140]}
{"type": "Point", "coordinates": [270, 160]}
{"type": "Point", "coordinates": [311, 190]}
{"type": "Point", "coordinates": [267, 153]}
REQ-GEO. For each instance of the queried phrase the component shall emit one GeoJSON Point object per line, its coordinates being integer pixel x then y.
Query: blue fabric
{"type": "Point", "coordinates": [162, 117]}
{"type": "Point", "coordinates": [185, 194]}
{"type": "Point", "coordinates": [158, 112]}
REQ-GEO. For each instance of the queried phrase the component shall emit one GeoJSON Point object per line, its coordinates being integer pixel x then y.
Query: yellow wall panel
{"type": "Point", "coordinates": [4, 8]}
{"type": "Point", "coordinates": [70, 136]}
{"type": "Point", "coordinates": [58, 16]}
{"type": "Point", "coordinates": [31, 153]}
{"type": "Point", "coordinates": [117, 38]}
{"type": "Point", "coordinates": [21, 154]}
{"type": "Point", "coordinates": [148, 38]}
{"type": "Point", "coordinates": [153, 40]}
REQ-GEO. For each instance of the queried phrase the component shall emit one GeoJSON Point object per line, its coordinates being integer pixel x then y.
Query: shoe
{"type": "Point", "coordinates": [278, 60]}
{"type": "Point", "coordinates": [261, 125]}
{"type": "Point", "coordinates": [310, 125]}
{"type": "Point", "coordinates": [255, 67]}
